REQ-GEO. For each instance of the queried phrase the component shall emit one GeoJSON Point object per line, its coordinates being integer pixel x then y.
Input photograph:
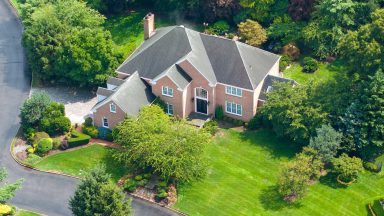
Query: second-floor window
{"type": "Point", "coordinates": [233, 108]}
{"type": "Point", "coordinates": [167, 91]}
{"type": "Point", "coordinates": [169, 109]}
{"type": "Point", "coordinates": [112, 108]}
{"type": "Point", "coordinates": [230, 90]}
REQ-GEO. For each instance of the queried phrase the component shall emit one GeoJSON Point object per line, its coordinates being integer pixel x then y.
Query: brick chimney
{"type": "Point", "coordinates": [149, 25]}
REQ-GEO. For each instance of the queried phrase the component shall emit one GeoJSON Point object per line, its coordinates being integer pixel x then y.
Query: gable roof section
{"type": "Point", "coordinates": [130, 96]}
{"type": "Point", "coordinates": [269, 80]}
{"type": "Point", "coordinates": [115, 81]}
{"type": "Point", "coordinates": [217, 59]}
{"type": "Point", "coordinates": [158, 53]}
{"type": "Point", "coordinates": [104, 92]}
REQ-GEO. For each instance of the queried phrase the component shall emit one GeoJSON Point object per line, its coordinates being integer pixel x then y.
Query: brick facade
{"type": "Point", "coordinates": [113, 118]}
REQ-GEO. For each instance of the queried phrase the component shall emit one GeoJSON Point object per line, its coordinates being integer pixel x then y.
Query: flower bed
{"type": "Point", "coordinates": [345, 183]}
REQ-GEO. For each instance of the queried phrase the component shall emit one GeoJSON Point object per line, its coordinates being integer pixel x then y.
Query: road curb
{"type": "Point", "coordinates": [163, 206]}
{"type": "Point", "coordinates": [75, 177]}
{"type": "Point", "coordinates": [32, 167]}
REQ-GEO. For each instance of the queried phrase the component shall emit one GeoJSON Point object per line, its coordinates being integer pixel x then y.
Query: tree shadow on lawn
{"type": "Point", "coordinates": [330, 181]}
{"type": "Point", "coordinates": [267, 139]}
{"type": "Point", "coordinates": [270, 199]}
{"type": "Point", "coordinates": [114, 168]}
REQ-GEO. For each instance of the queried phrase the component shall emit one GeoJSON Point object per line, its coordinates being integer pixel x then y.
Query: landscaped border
{"type": "Point", "coordinates": [21, 163]}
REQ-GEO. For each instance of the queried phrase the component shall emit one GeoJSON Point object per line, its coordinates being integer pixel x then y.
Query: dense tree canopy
{"type": "Point", "coordinates": [7, 191]}
{"type": "Point", "coordinates": [66, 42]}
{"type": "Point", "coordinates": [169, 147]}
{"type": "Point", "coordinates": [292, 112]}
{"type": "Point", "coordinates": [252, 32]}
{"type": "Point", "coordinates": [96, 195]}
{"type": "Point", "coordinates": [327, 142]}
{"type": "Point", "coordinates": [364, 119]}
{"type": "Point", "coordinates": [363, 49]}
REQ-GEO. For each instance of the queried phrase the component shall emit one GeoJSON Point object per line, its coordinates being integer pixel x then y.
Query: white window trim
{"type": "Point", "coordinates": [228, 91]}
{"type": "Point", "coordinates": [102, 122]}
{"type": "Point", "coordinates": [110, 108]}
{"type": "Point", "coordinates": [233, 113]}
{"type": "Point", "coordinates": [201, 98]}
{"type": "Point", "coordinates": [167, 91]}
{"type": "Point", "coordinates": [167, 109]}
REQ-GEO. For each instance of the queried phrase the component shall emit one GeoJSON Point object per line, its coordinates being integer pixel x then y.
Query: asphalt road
{"type": "Point", "coordinates": [41, 192]}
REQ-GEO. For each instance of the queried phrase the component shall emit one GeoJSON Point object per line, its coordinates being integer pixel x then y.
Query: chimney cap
{"type": "Point", "coordinates": [148, 15]}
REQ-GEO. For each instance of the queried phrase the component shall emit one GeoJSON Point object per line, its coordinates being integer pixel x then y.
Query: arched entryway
{"type": "Point", "coordinates": [201, 101]}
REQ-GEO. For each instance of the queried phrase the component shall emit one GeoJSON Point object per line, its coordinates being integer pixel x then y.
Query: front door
{"type": "Point", "coordinates": [201, 106]}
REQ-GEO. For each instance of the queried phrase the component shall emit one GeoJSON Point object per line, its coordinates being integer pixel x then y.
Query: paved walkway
{"type": "Point", "coordinates": [41, 192]}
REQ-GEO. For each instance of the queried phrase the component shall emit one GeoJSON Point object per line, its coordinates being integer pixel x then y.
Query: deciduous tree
{"type": "Point", "coordinates": [7, 191]}
{"type": "Point", "coordinates": [170, 147]}
{"type": "Point", "coordinates": [252, 33]}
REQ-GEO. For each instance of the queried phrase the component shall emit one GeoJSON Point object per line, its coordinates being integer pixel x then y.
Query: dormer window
{"type": "Point", "coordinates": [231, 90]}
{"type": "Point", "coordinates": [167, 91]}
{"type": "Point", "coordinates": [269, 89]}
{"type": "Point", "coordinates": [112, 108]}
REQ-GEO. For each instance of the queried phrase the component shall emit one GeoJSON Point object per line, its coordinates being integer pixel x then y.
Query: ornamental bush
{"type": "Point", "coordinates": [347, 167]}
{"type": "Point", "coordinates": [310, 65]}
{"type": "Point", "coordinates": [38, 136]}
{"type": "Point", "coordinates": [44, 145]}
{"type": "Point", "coordinates": [220, 27]}
{"type": "Point", "coordinates": [130, 185]}
{"type": "Point", "coordinates": [285, 61]}
{"type": "Point", "coordinates": [78, 139]}
{"type": "Point", "coordinates": [219, 113]}
{"type": "Point", "coordinates": [6, 209]}
{"type": "Point", "coordinates": [372, 167]}
{"type": "Point", "coordinates": [90, 130]}
{"type": "Point", "coordinates": [211, 127]}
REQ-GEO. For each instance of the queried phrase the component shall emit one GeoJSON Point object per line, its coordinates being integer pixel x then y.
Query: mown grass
{"type": "Point", "coordinates": [78, 162]}
{"type": "Point", "coordinates": [326, 72]}
{"type": "Point", "coordinates": [244, 169]}
{"type": "Point", "coordinates": [26, 213]}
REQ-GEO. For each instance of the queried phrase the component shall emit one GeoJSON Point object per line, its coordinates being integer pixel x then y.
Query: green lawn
{"type": "Point", "coordinates": [326, 72]}
{"type": "Point", "coordinates": [26, 213]}
{"type": "Point", "coordinates": [76, 162]}
{"type": "Point", "coordinates": [242, 181]}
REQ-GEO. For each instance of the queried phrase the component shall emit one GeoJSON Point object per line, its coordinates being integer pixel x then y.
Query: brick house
{"type": "Point", "coordinates": [192, 73]}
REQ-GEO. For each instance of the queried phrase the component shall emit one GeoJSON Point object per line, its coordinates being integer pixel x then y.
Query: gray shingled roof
{"type": "Point", "coordinates": [269, 80]}
{"type": "Point", "coordinates": [131, 96]}
{"type": "Point", "coordinates": [115, 81]}
{"type": "Point", "coordinates": [217, 59]}
{"type": "Point", "coordinates": [104, 92]}
{"type": "Point", "coordinates": [179, 76]}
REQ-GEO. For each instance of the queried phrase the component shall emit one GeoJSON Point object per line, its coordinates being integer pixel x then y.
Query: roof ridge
{"type": "Point", "coordinates": [246, 69]}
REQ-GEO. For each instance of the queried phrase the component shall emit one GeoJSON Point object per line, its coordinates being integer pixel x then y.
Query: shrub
{"type": "Point", "coordinates": [347, 167]}
{"type": "Point", "coordinates": [103, 132]}
{"type": "Point", "coordinates": [78, 139]}
{"type": "Point", "coordinates": [219, 113]}
{"type": "Point", "coordinates": [6, 209]}
{"type": "Point", "coordinates": [291, 50]}
{"type": "Point", "coordinates": [285, 61]}
{"type": "Point", "coordinates": [220, 27]}
{"type": "Point", "coordinates": [61, 124]}
{"type": "Point", "coordinates": [142, 183]}
{"type": "Point", "coordinates": [109, 136]}
{"type": "Point", "coordinates": [44, 145]}
{"type": "Point", "coordinates": [161, 195]}
{"type": "Point", "coordinates": [88, 122]}
{"type": "Point", "coordinates": [30, 150]}
{"type": "Point", "coordinates": [32, 159]}
{"type": "Point", "coordinates": [130, 185]}
{"type": "Point", "coordinates": [211, 127]}
{"type": "Point", "coordinates": [138, 178]}
{"type": "Point", "coordinates": [371, 167]}
{"type": "Point", "coordinates": [29, 134]}
{"type": "Point", "coordinates": [90, 130]}
{"type": "Point", "coordinates": [310, 65]}
{"type": "Point", "coordinates": [56, 143]}
{"type": "Point", "coordinates": [38, 136]}
{"type": "Point", "coordinates": [255, 123]}
{"type": "Point", "coordinates": [147, 175]}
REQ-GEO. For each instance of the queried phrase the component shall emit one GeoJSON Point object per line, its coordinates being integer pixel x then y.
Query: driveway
{"type": "Point", "coordinates": [41, 192]}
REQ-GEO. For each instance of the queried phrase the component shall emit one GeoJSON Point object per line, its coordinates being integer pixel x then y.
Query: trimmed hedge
{"type": "Point", "coordinates": [78, 139]}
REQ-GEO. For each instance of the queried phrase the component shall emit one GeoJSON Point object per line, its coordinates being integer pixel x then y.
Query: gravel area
{"type": "Point", "coordinates": [78, 102]}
